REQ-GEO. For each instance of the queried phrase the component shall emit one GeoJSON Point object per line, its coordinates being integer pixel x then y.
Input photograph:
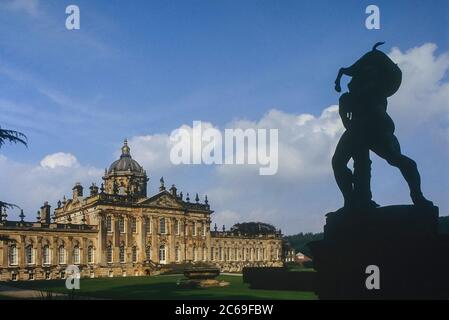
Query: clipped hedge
{"type": "Point", "coordinates": [279, 279]}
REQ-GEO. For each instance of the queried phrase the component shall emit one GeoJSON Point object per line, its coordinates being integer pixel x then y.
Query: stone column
{"type": "Point", "coordinates": [38, 252]}
{"type": "Point", "coordinates": [69, 250]}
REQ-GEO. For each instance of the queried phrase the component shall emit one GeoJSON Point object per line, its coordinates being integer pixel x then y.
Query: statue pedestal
{"type": "Point", "coordinates": [402, 241]}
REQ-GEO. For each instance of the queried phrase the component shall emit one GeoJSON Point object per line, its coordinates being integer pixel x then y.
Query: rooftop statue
{"type": "Point", "coordinates": [363, 111]}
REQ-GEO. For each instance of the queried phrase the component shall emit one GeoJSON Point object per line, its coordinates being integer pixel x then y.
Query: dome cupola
{"type": "Point", "coordinates": [126, 176]}
{"type": "Point", "coordinates": [126, 162]}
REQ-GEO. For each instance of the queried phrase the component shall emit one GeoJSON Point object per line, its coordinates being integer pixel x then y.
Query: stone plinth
{"type": "Point", "coordinates": [402, 241]}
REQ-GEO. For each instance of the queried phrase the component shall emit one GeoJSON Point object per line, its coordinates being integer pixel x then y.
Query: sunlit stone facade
{"type": "Point", "coordinates": [117, 230]}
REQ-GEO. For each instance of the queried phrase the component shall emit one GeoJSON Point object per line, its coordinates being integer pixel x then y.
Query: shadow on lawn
{"type": "Point", "coordinates": [164, 288]}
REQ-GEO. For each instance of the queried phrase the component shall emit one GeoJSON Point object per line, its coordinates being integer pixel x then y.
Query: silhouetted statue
{"type": "Point", "coordinates": [363, 110]}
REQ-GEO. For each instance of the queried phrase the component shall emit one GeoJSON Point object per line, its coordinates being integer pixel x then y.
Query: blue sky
{"type": "Point", "coordinates": [147, 67]}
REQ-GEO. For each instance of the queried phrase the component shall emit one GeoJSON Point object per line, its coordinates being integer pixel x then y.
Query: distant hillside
{"type": "Point", "coordinates": [299, 241]}
{"type": "Point", "coordinates": [444, 224]}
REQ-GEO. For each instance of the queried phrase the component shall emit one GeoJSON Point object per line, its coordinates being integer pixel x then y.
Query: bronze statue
{"type": "Point", "coordinates": [363, 110]}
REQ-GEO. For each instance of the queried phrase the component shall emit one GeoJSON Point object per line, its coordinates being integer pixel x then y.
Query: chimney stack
{"type": "Point", "coordinates": [45, 213]}
{"type": "Point", "coordinates": [93, 189]}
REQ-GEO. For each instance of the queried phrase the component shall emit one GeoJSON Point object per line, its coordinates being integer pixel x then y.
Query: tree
{"type": "Point", "coordinates": [11, 136]}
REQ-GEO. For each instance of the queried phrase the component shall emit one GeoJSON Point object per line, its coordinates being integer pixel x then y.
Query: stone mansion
{"type": "Point", "coordinates": [117, 230]}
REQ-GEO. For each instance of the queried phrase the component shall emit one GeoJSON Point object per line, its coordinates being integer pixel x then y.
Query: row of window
{"type": "Point", "coordinates": [240, 254]}
{"type": "Point", "coordinates": [30, 255]}
{"type": "Point", "coordinates": [122, 255]}
{"type": "Point", "coordinates": [148, 226]}
{"type": "Point", "coordinates": [197, 254]}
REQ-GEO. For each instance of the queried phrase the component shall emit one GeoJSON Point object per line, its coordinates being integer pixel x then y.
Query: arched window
{"type": "Point", "coordinates": [148, 252]}
{"type": "Point", "coordinates": [121, 224]}
{"type": "Point", "coordinates": [177, 254]}
{"type": "Point", "coordinates": [195, 254]}
{"type": "Point", "coordinates": [76, 255]}
{"type": "Point", "coordinates": [29, 254]}
{"type": "Point", "coordinates": [133, 225]}
{"type": "Point", "coordinates": [220, 253]}
{"type": "Point", "coordinates": [122, 253]}
{"type": "Point", "coordinates": [61, 254]}
{"type": "Point", "coordinates": [46, 254]}
{"type": "Point", "coordinates": [109, 253]}
{"type": "Point", "coordinates": [204, 253]}
{"type": "Point", "coordinates": [212, 253]}
{"type": "Point", "coordinates": [177, 227]}
{"type": "Point", "coordinates": [162, 254]}
{"type": "Point", "coordinates": [90, 254]}
{"type": "Point", "coordinates": [13, 255]}
{"type": "Point", "coordinates": [162, 226]}
{"type": "Point", "coordinates": [134, 254]}
{"type": "Point", "coordinates": [194, 228]}
{"type": "Point", "coordinates": [109, 223]}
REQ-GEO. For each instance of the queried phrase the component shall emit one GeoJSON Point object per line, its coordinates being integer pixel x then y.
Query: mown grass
{"type": "Point", "coordinates": [162, 287]}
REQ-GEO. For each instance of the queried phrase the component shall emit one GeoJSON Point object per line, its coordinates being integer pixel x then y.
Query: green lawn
{"type": "Point", "coordinates": [162, 287]}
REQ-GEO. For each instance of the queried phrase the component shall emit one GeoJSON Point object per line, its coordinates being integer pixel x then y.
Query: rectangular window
{"type": "Point", "coordinates": [13, 255]}
{"type": "Point", "coordinates": [177, 227]}
{"type": "Point", "coordinates": [194, 229]}
{"type": "Point", "coordinates": [121, 224]}
{"type": "Point", "coordinates": [76, 255]}
{"type": "Point", "coordinates": [46, 255]}
{"type": "Point", "coordinates": [109, 224]}
{"type": "Point", "coordinates": [109, 254]}
{"type": "Point", "coordinates": [148, 225]}
{"type": "Point", "coordinates": [212, 253]}
{"type": "Point", "coordinates": [162, 226]}
{"type": "Point", "coordinates": [61, 255]}
{"type": "Point", "coordinates": [122, 254]}
{"type": "Point", "coordinates": [29, 255]}
{"type": "Point", "coordinates": [203, 228]}
{"type": "Point", "coordinates": [133, 225]}
{"type": "Point", "coordinates": [90, 254]}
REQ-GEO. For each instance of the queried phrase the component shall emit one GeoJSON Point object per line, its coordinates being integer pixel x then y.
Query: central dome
{"type": "Point", "coordinates": [125, 163]}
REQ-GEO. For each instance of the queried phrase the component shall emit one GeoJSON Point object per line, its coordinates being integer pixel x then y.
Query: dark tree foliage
{"type": "Point", "coordinates": [299, 241]}
{"type": "Point", "coordinates": [12, 137]}
{"type": "Point", "coordinates": [253, 228]}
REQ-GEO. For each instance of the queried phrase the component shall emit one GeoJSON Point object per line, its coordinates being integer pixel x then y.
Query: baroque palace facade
{"type": "Point", "coordinates": [116, 230]}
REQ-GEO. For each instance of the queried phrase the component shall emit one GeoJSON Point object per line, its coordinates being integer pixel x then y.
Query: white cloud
{"type": "Point", "coordinates": [30, 7]}
{"type": "Point", "coordinates": [59, 159]}
{"type": "Point", "coordinates": [296, 198]}
{"type": "Point", "coordinates": [30, 185]}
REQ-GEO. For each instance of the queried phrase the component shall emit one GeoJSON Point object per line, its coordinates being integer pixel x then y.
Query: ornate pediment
{"type": "Point", "coordinates": [162, 199]}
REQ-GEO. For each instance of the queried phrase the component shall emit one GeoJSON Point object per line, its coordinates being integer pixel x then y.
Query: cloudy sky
{"type": "Point", "coordinates": [141, 70]}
